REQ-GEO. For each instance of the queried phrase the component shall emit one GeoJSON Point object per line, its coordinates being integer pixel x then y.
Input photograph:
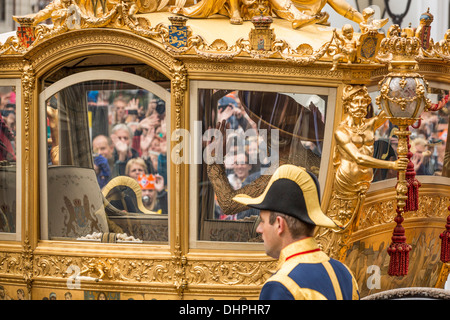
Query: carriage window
{"type": "Point", "coordinates": [8, 152]}
{"type": "Point", "coordinates": [428, 140]}
{"type": "Point", "coordinates": [264, 130]}
{"type": "Point", "coordinates": [107, 174]}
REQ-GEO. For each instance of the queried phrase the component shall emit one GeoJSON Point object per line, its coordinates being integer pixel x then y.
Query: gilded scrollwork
{"type": "Point", "coordinates": [27, 264]}
{"type": "Point", "coordinates": [113, 269]}
{"type": "Point", "coordinates": [377, 214]}
{"type": "Point", "coordinates": [11, 263]}
{"type": "Point", "coordinates": [12, 46]}
{"type": "Point", "coordinates": [229, 272]}
{"type": "Point", "coordinates": [260, 44]}
{"type": "Point", "coordinates": [179, 87]}
{"type": "Point", "coordinates": [442, 48]}
{"type": "Point", "coordinates": [69, 16]}
{"type": "Point", "coordinates": [179, 273]}
{"type": "Point", "coordinates": [300, 13]}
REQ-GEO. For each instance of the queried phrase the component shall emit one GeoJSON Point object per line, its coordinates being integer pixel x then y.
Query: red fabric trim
{"type": "Point", "coordinates": [300, 253]}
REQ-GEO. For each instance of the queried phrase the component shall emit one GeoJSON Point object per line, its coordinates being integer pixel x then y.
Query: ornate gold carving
{"type": "Point", "coordinates": [11, 263]}
{"type": "Point", "coordinates": [19, 265]}
{"type": "Point", "coordinates": [353, 161]}
{"type": "Point", "coordinates": [27, 265]}
{"type": "Point", "coordinates": [67, 16]}
{"type": "Point", "coordinates": [28, 84]}
{"type": "Point", "coordinates": [179, 87]}
{"type": "Point", "coordinates": [423, 30]}
{"type": "Point", "coordinates": [366, 245]}
{"type": "Point", "coordinates": [43, 53]}
{"type": "Point", "coordinates": [229, 272]}
{"type": "Point", "coordinates": [306, 13]}
{"type": "Point", "coordinates": [351, 48]}
{"type": "Point", "coordinates": [74, 17]}
{"type": "Point", "coordinates": [179, 262]}
{"type": "Point", "coordinates": [261, 36]}
{"type": "Point", "coordinates": [270, 47]}
{"type": "Point", "coordinates": [379, 213]}
{"type": "Point", "coordinates": [347, 46]}
{"type": "Point", "coordinates": [178, 271]}
{"type": "Point", "coordinates": [369, 24]}
{"type": "Point", "coordinates": [353, 156]}
{"type": "Point", "coordinates": [383, 211]}
{"type": "Point", "coordinates": [112, 269]}
{"type": "Point", "coordinates": [254, 70]}
{"type": "Point", "coordinates": [12, 46]}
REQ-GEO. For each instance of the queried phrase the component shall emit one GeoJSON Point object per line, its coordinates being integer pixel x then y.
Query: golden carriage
{"type": "Point", "coordinates": [64, 236]}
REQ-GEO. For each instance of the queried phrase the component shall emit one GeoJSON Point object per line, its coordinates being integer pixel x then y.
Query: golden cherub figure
{"type": "Point", "coordinates": [56, 10]}
{"type": "Point", "coordinates": [369, 23]}
{"type": "Point", "coordinates": [59, 10]}
{"type": "Point", "coordinates": [299, 12]}
{"type": "Point", "coordinates": [348, 46]}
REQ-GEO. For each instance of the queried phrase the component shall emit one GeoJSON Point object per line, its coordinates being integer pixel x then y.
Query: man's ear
{"type": "Point", "coordinates": [281, 225]}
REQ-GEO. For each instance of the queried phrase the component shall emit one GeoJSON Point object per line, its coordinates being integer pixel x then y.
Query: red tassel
{"type": "Point", "coordinates": [412, 203]}
{"type": "Point", "coordinates": [399, 249]}
{"type": "Point", "coordinates": [445, 242]}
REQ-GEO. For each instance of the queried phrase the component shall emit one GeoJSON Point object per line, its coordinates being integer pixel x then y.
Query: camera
{"type": "Point", "coordinates": [160, 107]}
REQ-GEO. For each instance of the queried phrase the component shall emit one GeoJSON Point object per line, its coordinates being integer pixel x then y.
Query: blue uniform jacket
{"type": "Point", "coordinates": [307, 273]}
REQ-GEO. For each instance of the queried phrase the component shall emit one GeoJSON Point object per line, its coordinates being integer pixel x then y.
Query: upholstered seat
{"type": "Point", "coordinates": [75, 203]}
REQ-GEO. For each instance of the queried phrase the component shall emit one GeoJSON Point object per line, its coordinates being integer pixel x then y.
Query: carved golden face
{"type": "Point", "coordinates": [357, 106]}
{"type": "Point", "coordinates": [347, 31]}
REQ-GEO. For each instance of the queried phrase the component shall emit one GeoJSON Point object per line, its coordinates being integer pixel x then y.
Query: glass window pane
{"type": "Point", "coordinates": [428, 140]}
{"type": "Point", "coordinates": [8, 160]}
{"type": "Point", "coordinates": [107, 173]}
{"type": "Point", "coordinates": [265, 130]}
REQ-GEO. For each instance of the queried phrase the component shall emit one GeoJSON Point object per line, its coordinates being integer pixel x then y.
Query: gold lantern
{"type": "Point", "coordinates": [403, 96]}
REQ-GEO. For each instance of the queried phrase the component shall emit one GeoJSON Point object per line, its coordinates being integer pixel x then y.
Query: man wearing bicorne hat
{"type": "Point", "coordinates": [290, 211]}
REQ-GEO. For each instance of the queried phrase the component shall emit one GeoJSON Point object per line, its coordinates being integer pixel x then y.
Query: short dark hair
{"type": "Point", "coordinates": [297, 228]}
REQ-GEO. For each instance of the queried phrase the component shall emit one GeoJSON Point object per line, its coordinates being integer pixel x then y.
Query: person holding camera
{"type": "Point", "coordinates": [150, 138]}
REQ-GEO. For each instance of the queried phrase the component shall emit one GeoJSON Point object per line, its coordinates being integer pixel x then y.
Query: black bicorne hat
{"type": "Point", "coordinates": [292, 191]}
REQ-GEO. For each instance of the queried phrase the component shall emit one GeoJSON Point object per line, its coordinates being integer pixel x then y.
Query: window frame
{"type": "Point", "coordinates": [194, 86]}
{"type": "Point", "coordinates": [91, 75]}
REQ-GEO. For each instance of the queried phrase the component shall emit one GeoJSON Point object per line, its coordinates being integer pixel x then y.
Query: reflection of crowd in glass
{"type": "Point", "coordinates": [428, 143]}
{"type": "Point", "coordinates": [427, 140]}
{"type": "Point", "coordinates": [136, 146]}
{"type": "Point", "coordinates": [242, 160]}
{"type": "Point", "coordinates": [7, 124]}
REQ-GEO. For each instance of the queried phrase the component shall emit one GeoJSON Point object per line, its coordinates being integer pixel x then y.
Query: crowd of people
{"type": "Point", "coordinates": [7, 124]}
{"type": "Point", "coordinates": [242, 161]}
{"type": "Point", "coordinates": [134, 146]}
{"type": "Point", "coordinates": [428, 141]}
